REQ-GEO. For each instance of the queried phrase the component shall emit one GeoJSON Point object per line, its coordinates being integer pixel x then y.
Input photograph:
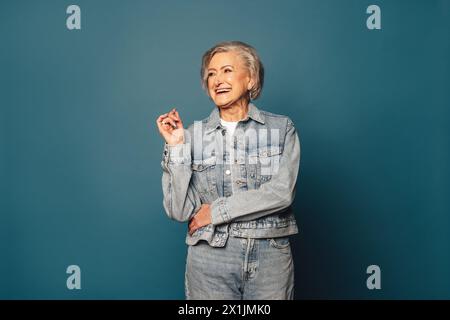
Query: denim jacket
{"type": "Point", "coordinates": [248, 179]}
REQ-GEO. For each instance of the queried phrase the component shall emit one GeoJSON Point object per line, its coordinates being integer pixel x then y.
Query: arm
{"type": "Point", "coordinates": [275, 195]}
{"type": "Point", "coordinates": [181, 200]}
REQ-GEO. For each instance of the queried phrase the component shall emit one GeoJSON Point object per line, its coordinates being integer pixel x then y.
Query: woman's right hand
{"type": "Point", "coordinates": [170, 127]}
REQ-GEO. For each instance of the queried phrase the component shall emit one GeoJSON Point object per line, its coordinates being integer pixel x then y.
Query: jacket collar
{"type": "Point", "coordinates": [213, 121]}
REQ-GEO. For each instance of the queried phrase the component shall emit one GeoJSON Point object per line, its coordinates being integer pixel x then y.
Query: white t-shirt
{"type": "Point", "coordinates": [229, 125]}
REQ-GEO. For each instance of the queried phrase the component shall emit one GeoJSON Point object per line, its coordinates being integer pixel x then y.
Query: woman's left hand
{"type": "Point", "coordinates": [200, 219]}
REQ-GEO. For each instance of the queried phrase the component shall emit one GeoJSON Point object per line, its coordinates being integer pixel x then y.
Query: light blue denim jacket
{"type": "Point", "coordinates": [249, 181]}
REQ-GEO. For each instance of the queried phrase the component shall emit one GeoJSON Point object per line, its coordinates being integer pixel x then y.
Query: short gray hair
{"type": "Point", "coordinates": [249, 56]}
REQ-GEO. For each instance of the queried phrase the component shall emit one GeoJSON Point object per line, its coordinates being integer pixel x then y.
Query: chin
{"type": "Point", "coordinates": [222, 103]}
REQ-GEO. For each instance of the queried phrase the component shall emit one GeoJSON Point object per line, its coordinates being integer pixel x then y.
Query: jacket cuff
{"type": "Point", "coordinates": [177, 154]}
{"type": "Point", "coordinates": [219, 211]}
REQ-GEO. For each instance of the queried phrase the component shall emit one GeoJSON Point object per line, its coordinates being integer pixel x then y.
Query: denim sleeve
{"type": "Point", "coordinates": [181, 200]}
{"type": "Point", "coordinates": [273, 196]}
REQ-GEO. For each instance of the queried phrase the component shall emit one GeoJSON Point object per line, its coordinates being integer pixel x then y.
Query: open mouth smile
{"type": "Point", "coordinates": [222, 91]}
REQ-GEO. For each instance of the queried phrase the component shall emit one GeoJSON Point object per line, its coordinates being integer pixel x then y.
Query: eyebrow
{"type": "Point", "coordinates": [227, 65]}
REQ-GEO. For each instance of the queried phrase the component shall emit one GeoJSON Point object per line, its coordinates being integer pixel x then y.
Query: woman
{"type": "Point", "coordinates": [232, 176]}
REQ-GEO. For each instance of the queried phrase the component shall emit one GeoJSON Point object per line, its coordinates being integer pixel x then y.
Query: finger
{"type": "Point", "coordinates": [170, 122]}
{"type": "Point", "coordinates": [161, 117]}
{"type": "Point", "coordinates": [174, 113]}
{"type": "Point", "coordinates": [173, 117]}
{"type": "Point", "coordinates": [167, 120]}
{"type": "Point", "coordinates": [160, 125]}
{"type": "Point", "coordinates": [179, 118]}
{"type": "Point", "coordinates": [192, 230]}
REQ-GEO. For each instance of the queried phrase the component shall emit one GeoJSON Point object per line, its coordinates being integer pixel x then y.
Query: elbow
{"type": "Point", "coordinates": [286, 198]}
{"type": "Point", "coordinates": [287, 202]}
{"type": "Point", "coordinates": [175, 213]}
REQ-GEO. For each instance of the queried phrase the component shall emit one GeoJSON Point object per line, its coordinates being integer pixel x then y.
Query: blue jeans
{"type": "Point", "coordinates": [248, 269]}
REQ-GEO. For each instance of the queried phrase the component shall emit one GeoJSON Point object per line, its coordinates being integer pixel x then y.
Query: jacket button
{"type": "Point", "coordinates": [227, 172]}
{"type": "Point", "coordinates": [224, 132]}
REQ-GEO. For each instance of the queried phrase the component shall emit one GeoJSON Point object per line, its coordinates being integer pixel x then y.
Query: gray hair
{"type": "Point", "coordinates": [251, 61]}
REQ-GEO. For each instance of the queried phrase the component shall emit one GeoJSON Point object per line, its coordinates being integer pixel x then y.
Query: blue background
{"type": "Point", "coordinates": [80, 153]}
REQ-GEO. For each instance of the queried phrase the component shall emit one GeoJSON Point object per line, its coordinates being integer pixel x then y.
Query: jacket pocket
{"type": "Point", "coordinates": [268, 163]}
{"type": "Point", "coordinates": [204, 175]}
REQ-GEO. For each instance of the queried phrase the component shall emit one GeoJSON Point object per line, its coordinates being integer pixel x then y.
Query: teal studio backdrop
{"type": "Point", "coordinates": [80, 152]}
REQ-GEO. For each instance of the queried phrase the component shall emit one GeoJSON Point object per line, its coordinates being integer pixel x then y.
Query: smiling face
{"type": "Point", "coordinates": [228, 79]}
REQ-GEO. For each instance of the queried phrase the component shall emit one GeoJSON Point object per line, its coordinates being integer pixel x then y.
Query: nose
{"type": "Point", "coordinates": [218, 80]}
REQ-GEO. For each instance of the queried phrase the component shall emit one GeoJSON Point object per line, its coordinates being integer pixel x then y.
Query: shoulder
{"type": "Point", "coordinates": [201, 122]}
{"type": "Point", "coordinates": [276, 119]}
{"type": "Point", "coordinates": [197, 127]}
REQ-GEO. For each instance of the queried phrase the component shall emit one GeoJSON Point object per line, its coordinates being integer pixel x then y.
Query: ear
{"type": "Point", "coordinates": [251, 84]}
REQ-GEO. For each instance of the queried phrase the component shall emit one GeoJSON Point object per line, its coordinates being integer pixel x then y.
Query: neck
{"type": "Point", "coordinates": [235, 112]}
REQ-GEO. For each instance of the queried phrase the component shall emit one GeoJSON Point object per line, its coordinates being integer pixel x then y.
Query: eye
{"type": "Point", "coordinates": [228, 70]}
{"type": "Point", "coordinates": [210, 74]}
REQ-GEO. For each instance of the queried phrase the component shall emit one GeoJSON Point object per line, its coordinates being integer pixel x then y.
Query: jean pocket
{"type": "Point", "coordinates": [281, 243]}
